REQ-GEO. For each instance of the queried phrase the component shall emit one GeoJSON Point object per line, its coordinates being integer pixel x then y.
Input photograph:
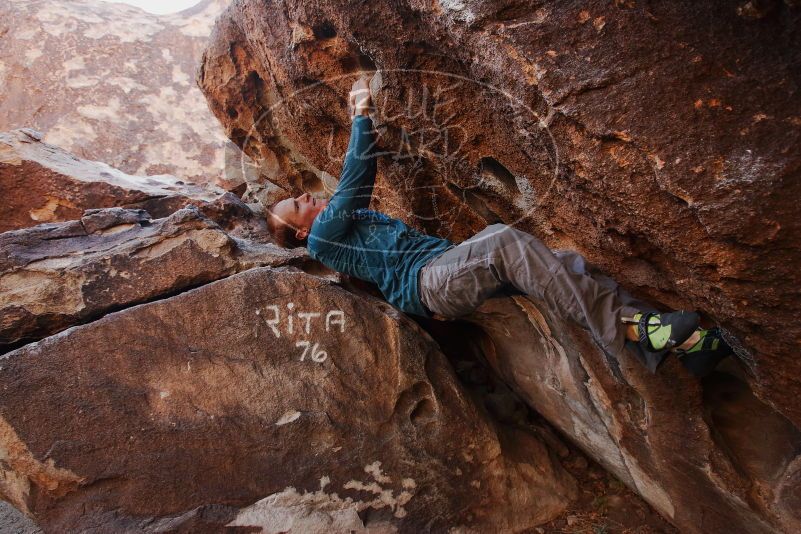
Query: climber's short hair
{"type": "Point", "coordinates": [282, 231]}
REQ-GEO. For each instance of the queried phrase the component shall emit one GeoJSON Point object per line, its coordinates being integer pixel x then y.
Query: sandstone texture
{"type": "Point", "coordinates": [13, 521]}
{"type": "Point", "coordinates": [53, 276]}
{"type": "Point", "coordinates": [110, 82]}
{"type": "Point", "coordinates": [690, 450]}
{"type": "Point", "coordinates": [657, 140]}
{"type": "Point", "coordinates": [214, 408]}
{"type": "Point", "coordinates": [40, 182]}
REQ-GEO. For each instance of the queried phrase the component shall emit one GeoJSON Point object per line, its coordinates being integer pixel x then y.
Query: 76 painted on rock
{"type": "Point", "coordinates": [303, 322]}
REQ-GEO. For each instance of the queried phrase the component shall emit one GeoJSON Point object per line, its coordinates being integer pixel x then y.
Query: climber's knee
{"type": "Point", "coordinates": [501, 230]}
{"type": "Point", "coordinates": [507, 234]}
{"type": "Point", "coordinates": [499, 235]}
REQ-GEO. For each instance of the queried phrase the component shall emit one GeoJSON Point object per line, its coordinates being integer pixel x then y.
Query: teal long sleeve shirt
{"type": "Point", "coordinates": [349, 238]}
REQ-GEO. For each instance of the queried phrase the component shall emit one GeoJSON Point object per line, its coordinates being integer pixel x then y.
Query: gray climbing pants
{"type": "Point", "coordinates": [456, 282]}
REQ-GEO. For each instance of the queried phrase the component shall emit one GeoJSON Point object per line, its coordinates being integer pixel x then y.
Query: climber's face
{"type": "Point", "coordinates": [299, 212]}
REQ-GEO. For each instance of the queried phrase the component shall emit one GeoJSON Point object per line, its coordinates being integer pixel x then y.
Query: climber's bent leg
{"type": "Point", "coordinates": [460, 279]}
{"type": "Point", "coordinates": [456, 282]}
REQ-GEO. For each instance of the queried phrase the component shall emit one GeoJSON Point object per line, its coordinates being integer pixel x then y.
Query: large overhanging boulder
{"type": "Point", "coordinates": [659, 141]}
{"type": "Point", "coordinates": [271, 399]}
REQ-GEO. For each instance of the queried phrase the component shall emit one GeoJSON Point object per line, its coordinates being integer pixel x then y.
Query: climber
{"type": "Point", "coordinates": [429, 276]}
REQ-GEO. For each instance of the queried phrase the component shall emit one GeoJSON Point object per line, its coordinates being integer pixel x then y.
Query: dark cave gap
{"type": "Point", "coordinates": [462, 343]}
{"type": "Point", "coordinates": [493, 169]}
{"type": "Point", "coordinates": [759, 441]}
{"type": "Point", "coordinates": [324, 30]}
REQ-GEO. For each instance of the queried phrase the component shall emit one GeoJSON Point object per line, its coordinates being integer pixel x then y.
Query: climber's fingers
{"type": "Point", "coordinates": [361, 84]}
{"type": "Point", "coordinates": [359, 97]}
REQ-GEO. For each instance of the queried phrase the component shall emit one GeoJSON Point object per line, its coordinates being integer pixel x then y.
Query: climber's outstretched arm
{"type": "Point", "coordinates": [356, 182]}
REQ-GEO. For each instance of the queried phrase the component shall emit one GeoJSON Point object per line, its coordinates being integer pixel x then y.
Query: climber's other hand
{"type": "Point", "coordinates": [359, 100]}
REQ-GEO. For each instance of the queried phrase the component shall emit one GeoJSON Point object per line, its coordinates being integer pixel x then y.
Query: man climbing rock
{"type": "Point", "coordinates": [425, 275]}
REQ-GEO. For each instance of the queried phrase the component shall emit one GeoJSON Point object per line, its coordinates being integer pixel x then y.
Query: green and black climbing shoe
{"type": "Point", "coordinates": [702, 358]}
{"type": "Point", "coordinates": [663, 331]}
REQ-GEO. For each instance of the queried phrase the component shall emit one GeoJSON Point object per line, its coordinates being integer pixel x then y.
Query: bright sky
{"type": "Point", "coordinates": [160, 7]}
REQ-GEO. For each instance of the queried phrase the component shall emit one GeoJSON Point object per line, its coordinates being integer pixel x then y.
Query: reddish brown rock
{"type": "Point", "coordinates": [240, 219]}
{"type": "Point", "coordinates": [41, 183]}
{"type": "Point", "coordinates": [688, 448]}
{"type": "Point", "coordinates": [212, 408]}
{"type": "Point", "coordinates": [53, 276]}
{"type": "Point", "coordinates": [657, 140]}
{"type": "Point", "coordinates": [110, 82]}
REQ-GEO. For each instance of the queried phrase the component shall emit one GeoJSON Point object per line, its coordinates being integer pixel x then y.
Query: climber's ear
{"type": "Point", "coordinates": [301, 233]}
